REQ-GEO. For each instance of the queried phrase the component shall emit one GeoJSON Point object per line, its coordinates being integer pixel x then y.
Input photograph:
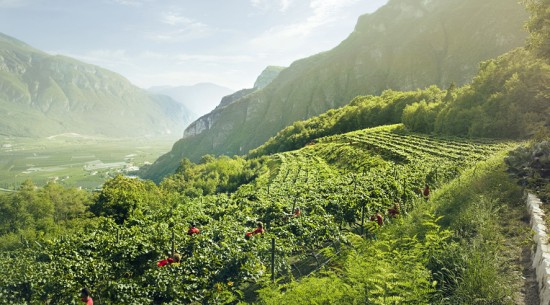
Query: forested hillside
{"type": "Point", "coordinates": [405, 45]}
{"type": "Point", "coordinates": [43, 95]}
{"type": "Point", "coordinates": [507, 99]}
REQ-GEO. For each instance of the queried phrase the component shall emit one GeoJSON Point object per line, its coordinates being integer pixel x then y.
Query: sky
{"type": "Point", "coordinates": [184, 42]}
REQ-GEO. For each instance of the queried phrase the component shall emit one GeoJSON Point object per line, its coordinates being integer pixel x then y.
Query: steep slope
{"type": "Point", "coordinates": [206, 121]}
{"type": "Point", "coordinates": [43, 95]}
{"type": "Point", "coordinates": [403, 46]}
{"type": "Point", "coordinates": [200, 98]}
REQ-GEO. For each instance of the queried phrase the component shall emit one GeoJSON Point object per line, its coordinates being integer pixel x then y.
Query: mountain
{"type": "Point", "coordinates": [267, 76]}
{"type": "Point", "coordinates": [204, 122]}
{"type": "Point", "coordinates": [405, 45]}
{"type": "Point", "coordinates": [43, 95]}
{"type": "Point", "coordinates": [200, 98]}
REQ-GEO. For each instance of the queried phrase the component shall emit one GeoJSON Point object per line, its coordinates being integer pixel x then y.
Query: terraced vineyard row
{"type": "Point", "coordinates": [413, 147]}
{"type": "Point", "coordinates": [386, 167]}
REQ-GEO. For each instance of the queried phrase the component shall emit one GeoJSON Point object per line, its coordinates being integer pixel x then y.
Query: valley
{"type": "Point", "coordinates": [73, 160]}
{"type": "Point", "coordinates": [390, 169]}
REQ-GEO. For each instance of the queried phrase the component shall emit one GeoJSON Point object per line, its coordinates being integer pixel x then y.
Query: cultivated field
{"type": "Point", "coordinates": [73, 160]}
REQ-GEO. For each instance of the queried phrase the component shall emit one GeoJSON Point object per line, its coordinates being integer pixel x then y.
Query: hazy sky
{"type": "Point", "coordinates": [183, 42]}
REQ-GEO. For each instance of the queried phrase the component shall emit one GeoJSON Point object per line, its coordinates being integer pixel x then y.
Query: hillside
{"type": "Point", "coordinates": [337, 183]}
{"type": "Point", "coordinates": [43, 95]}
{"type": "Point", "coordinates": [387, 215]}
{"type": "Point", "coordinates": [206, 121]}
{"type": "Point", "coordinates": [403, 46]}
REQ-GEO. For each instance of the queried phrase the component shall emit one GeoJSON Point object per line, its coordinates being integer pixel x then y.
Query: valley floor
{"type": "Point", "coordinates": [83, 162]}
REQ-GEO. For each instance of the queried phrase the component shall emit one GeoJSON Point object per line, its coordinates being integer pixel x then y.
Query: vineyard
{"type": "Point", "coordinates": [338, 183]}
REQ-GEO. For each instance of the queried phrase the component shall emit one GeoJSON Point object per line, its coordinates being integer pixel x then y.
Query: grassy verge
{"type": "Point", "coordinates": [485, 211]}
{"type": "Point", "coordinates": [465, 246]}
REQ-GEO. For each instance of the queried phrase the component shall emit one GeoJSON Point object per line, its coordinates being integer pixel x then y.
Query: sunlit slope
{"type": "Point", "coordinates": [43, 95]}
{"type": "Point", "coordinates": [386, 163]}
{"type": "Point", "coordinates": [403, 46]}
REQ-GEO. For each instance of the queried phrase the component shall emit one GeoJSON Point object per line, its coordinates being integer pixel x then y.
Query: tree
{"type": "Point", "coordinates": [507, 99]}
{"type": "Point", "coordinates": [421, 116]}
{"type": "Point", "coordinates": [120, 197]}
{"type": "Point", "coordinates": [539, 28]}
{"type": "Point", "coordinates": [67, 203]}
{"type": "Point", "coordinates": [37, 207]}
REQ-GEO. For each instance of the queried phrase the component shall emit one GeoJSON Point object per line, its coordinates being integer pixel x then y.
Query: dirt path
{"type": "Point", "coordinates": [518, 234]}
{"type": "Point", "coordinates": [530, 286]}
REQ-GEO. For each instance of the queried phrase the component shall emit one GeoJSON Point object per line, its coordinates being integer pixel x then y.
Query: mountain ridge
{"type": "Point", "coordinates": [404, 45]}
{"type": "Point", "coordinates": [43, 94]}
{"type": "Point", "coordinates": [206, 121]}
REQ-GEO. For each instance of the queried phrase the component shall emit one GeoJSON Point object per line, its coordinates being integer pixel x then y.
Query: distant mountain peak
{"type": "Point", "coordinates": [205, 122]}
{"type": "Point", "coordinates": [267, 76]}
{"type": "Point", "coordinates": [199, 98]}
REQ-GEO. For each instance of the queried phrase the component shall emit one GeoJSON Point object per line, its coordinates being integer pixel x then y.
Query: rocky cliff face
{"type": "Point", "coordinates": [43, 95]}
{"type": "Point", "coordinates": [406, 44]}
{"type": "Point", "coordinates": [226, 100]}
{"type": "Point", "coordinates": [207, 121]}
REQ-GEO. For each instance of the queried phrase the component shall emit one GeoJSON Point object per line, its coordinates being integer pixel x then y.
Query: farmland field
{"type": "Point", "coordinates": [73, 160]}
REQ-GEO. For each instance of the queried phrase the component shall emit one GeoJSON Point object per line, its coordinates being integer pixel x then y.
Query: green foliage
{"type": "Point", "coordinates": [507, 99]}
{"type": "Point", "coordinates": [421, 116]}
{"type": "Point", "coordinates": [32, 212]}
{"type": "Point", "coordinates": [337, 183]}
{"type": "Point", "coordinates": [472, 271]}
{"type": "Point", "coordinates": [120, 197]}
{"type": "Point", "coordinates": [539, 28]}
{"type": "Point", "coordinates": [213, 175]}
{"type": "Point", "coordinates": [327, 289]}
{"type": "Point", "coordinates": [382, 271]}
{"type": "Point", "coordinates": [417, 261]}
{"type": "Point", "coordinates": [362, 112]}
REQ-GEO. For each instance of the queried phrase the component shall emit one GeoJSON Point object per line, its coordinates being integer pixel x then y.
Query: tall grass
{"type": "Point", "coordinates": [474, 270]}
{"type": "Point", "coordinates": [449, 250]}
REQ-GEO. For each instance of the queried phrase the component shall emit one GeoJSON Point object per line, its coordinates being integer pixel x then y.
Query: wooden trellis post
{"type": "Point", "coordinates": [273, 259]}
{"type": "Point", "coordinates": [363, 218]}
{"type": "Point", "coordinates": [173, 243]}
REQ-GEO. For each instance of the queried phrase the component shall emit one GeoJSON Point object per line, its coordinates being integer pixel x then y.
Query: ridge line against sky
{"type": "Point", "coordinates": [184, 42]}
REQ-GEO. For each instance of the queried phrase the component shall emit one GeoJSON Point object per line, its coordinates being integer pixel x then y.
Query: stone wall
{"type": "Point", "coordinates": [541, 253]}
